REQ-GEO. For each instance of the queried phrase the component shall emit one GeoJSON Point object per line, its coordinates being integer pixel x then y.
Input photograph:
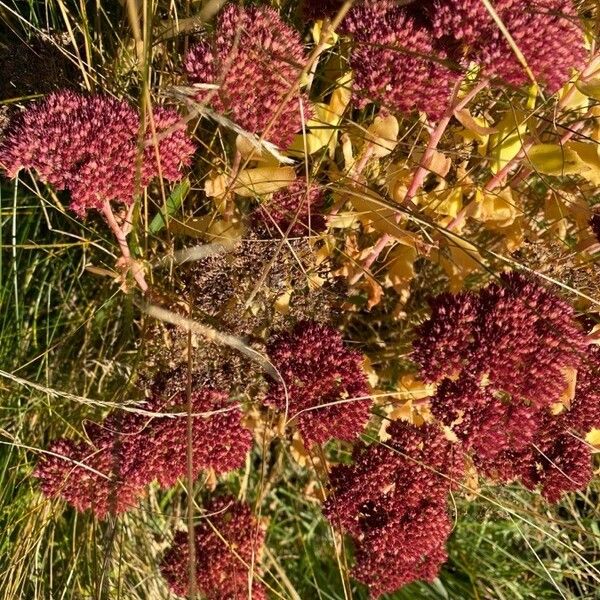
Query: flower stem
{"type": "Point", "coordinates": [420, 174]}
{"type": "Point", "coordinates": [136, 269]}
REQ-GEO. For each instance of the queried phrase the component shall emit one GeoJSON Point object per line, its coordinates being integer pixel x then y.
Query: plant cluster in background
{"type": "Point", "coordinates": [337, 293]}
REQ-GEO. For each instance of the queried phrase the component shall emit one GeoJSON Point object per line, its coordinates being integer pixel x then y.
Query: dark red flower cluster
{"type": "Point", "coordinates": [559, 460]}
{"type": "Point", "coordinates": [326, 386]}
{"type": "Point", "coordinates": [89, 146]}
{"type": "Point", "coordinates": [515, 333]}
{"type": "Point", "coordinates": [492, 430]}
{"type": "Point", "coordinates": [129, 450]}
{"type": "Point", "coordinates": [228, 544]}
{"type": "Point", "coordinates": [546, 32]}
{"type": "Point", "coordinates": [296, 206]}
{"type": "Point", "coordinates": [254, 58]}
{"type": "Point", "coordinates": [394, 60]}
{"type": "Point", "coordinates": [393, 501]}
{"type": "Point", "coordinates": [515, 343]}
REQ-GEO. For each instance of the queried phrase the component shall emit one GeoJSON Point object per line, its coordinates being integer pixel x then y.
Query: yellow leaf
{"type": "Point", "coordinates": [373, 210]}
{"type": "Point", "coordinates": [589, 88]}
{"type": "Point", "coordinates": [506, 143]}
{"type": "Point", "coordinates": [307, 144]}
{"type": "Point", "coordinates": [374, 291]}
{"type": "Point", "coordinates": [593, 438]}
{"type": "Point", "coordinates": [577, 100]}
{"type": "Point", "coordinates": [317, 33]}
{"type": "Point", "coordinates": [589, 155]}
{"type": "Point", "coordinates": [408, 402]}
{"type": "Point", "coordinates": [370, 372]}
{"type": "Point", "coordinates": [476, 129]}
{"type": "Point", "coordinates": [343, 220]}
{"type": "Point", "coordinates": [208, 227]}
{"type": "Point", "coordinates": [415, 388]}
{"type": "Point", "coordinates": [314, 281]}
{"type": "Point", "coordinates": [495, 209]}
{"type": "Point", "coordinates": [568, 394]}
{"type": "Point", "coordinates": [513, 236]}
{"type": "Point", "coordinates": [282, 302]}
{"type": "Point", "coordinates": [477, 125]}
{"type": "Point", "coordinates": [446, 202]}
{"type": "Point", "coordinates": [572, 158]}
{"type": "Point", "coordinates": [471, 480]}
{"type": "Point", "coordinates": [252, 182]}
{"type": "Point", "coordinates": [459, 258]}
{"type": "Point", "coordinates": [555, 212]}
{"type": "Point", "coordinates": [553, 159]}
{"type": "Point", "coordinates": [398, 180]}
{"type": "Point", "coordinates": [299, 451]}
{"type": "Point", "coordinates": [250, 151]}
{"type": "Point", "coordinates": [383, 134]}
{"type": "Point", "coordinates": [400, 266]}
{"type": "Point", "coordinates": [439, 163]}
{"type": "Point", "coordinates": [341, 96]}
{"type": "Point", "coordinates": [323, 127]}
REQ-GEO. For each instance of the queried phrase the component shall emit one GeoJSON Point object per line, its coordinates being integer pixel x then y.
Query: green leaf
{"type": "Point", "coordinates": [172, 204]}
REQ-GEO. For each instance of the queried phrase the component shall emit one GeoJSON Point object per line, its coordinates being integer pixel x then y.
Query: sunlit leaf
{"type": "Point", "coordinates": [589, 88]}
{"type": "Point", "coordinates": [400, 266]}
{"type": "Point", "coordinates": [383, 134]}
{"type": "Point", "coordinates": [506, 143]}
{"type": "Point", "coordinates": [251, 182]}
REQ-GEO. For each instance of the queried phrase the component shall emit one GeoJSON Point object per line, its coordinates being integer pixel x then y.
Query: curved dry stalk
{"type": "Point", "coordinates": [218, 337]}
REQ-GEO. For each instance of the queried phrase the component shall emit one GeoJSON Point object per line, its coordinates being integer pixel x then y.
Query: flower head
{"type": "Point", "coordinates": [89, 146]}
{"type": "Point", "coordinates": [254, 58]}
{"type": "Point", "coordinates": [393, 501]}
{"type": "Point", "coordinates": [228, 543]}
{"type": "Point", "coordinates": [295, 208]}
{"type": "Point", "coordinates": [442, 344]}
{"type": "Point", "coordinates": [546, 32]}
{"type": "Point", "coordinates": [326, 386]}
{"type": "Point", "coordinates": [515, 334]}
{"type": "Point", "coordinates": [394, 60]}
{"type": "Point", "coordinates": [131, 450]}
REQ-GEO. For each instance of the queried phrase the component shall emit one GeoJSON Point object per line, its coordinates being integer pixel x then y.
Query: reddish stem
{"type": "Point", "coordinates": [422, 171]}
{"type": "Point", "coordinates": [136, 269]}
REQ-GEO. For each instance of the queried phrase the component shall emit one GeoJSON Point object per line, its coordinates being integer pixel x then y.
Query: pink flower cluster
{"type": "Point", "coordinates": [393, 502]}
{"type": "Point", "coordinates": [228, 544]}
{"type": "Point", "coordinates": [546, 32]}
{"type": "Point", "coordinates": [88, 145]}
{"type": "Point", "coordinates": [326, 386]}
{"type": "Point", "coordinates": [399, 51]}
{"type": "Point", "coordinates": [394, 60]}
{"type": "Point", "coordinates": [254, 58]}
{"type": "Point", "coordinates": [295, 207]}
{"type": "Point", "coordinates": [128, 451]}
{"type": "Point", "coordinates": [501, 357]}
